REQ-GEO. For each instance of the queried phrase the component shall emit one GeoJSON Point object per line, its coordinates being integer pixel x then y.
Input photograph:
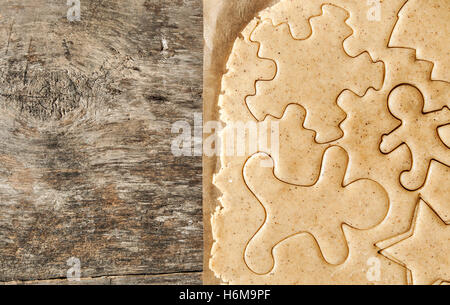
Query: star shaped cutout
{"type": "Point", "coordinates": [425, 248]}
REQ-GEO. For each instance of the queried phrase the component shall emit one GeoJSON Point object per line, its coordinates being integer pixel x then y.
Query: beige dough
{"type": "Point", "coordinates": [425, 244]}
{"type": "Point", "coordinates": [320, 209]}
{"type": "Point", "coordinates": [312, 72]}
{"type": "Point", "coordinates": [363, 155]}
{"type": "Point", "coordinates": [418, 131]}
{"type": "Point", "coordinates": [427, 31]}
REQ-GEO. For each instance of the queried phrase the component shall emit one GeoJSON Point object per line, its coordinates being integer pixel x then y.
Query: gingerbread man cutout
{"type": "Point", "coordinates": [320, 209]}
{"type": "Point", "coordinates": [418, 131]}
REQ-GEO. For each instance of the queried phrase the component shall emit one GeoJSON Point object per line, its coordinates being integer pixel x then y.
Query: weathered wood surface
{"type": "Point", "coordinates": [191, 278]}
{"type": "Point", "coordinates": [86, 168]}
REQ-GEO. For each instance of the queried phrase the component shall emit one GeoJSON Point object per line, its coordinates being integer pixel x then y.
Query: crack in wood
{"type": "Point", "coordinates": [186, 277]}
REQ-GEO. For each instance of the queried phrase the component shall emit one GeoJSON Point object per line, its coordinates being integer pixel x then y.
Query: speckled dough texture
{"type": "Point", "coordinates": [356, 187]}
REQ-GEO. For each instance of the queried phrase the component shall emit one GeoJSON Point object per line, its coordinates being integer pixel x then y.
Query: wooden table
{"type": "Point", "coordinates": [86, 168]}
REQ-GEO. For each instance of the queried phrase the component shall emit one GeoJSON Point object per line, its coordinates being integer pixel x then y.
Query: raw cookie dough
{"type": "Point", "coordinates": [355, 179]}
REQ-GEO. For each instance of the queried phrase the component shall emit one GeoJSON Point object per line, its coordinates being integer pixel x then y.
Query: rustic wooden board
{"type": "Point", "coordinates": [86, 168]}
{"type": "Point", "coordinates": [191, 278]}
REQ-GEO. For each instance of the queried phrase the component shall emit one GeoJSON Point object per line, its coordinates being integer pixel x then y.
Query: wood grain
{"type": "Point", "coordinates": [191, 278]}
{"type": "Point", "coordinates": [86, 109]}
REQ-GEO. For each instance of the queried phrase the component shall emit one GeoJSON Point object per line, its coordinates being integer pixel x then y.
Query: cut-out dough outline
{"type": "Point", "coordinates": [408, 48]}
{"type": "Point", "coordinates": [305, 232]}
{"type": "Point", "coordinates": [259, 21]}
{"type": "Point", "coordinates": [388, 46]}
{"type": "Point", "coordinates": [404, 143]}
{"type": "Point", "coordinates": [404, 236]}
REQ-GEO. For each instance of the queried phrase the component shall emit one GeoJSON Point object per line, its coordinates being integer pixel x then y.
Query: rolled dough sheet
{"type": "Point", "coordinates": [334, 164]}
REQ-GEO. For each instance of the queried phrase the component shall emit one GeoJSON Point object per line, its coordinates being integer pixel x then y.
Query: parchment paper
{"type": "Point", "coordinates": [223, 21]}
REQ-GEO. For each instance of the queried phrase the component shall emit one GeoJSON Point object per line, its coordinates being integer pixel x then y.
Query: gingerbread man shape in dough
{"type": "Point", "coordinates": [320, 209]}
{"type": "Point", "coordinates": [418, 131]}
